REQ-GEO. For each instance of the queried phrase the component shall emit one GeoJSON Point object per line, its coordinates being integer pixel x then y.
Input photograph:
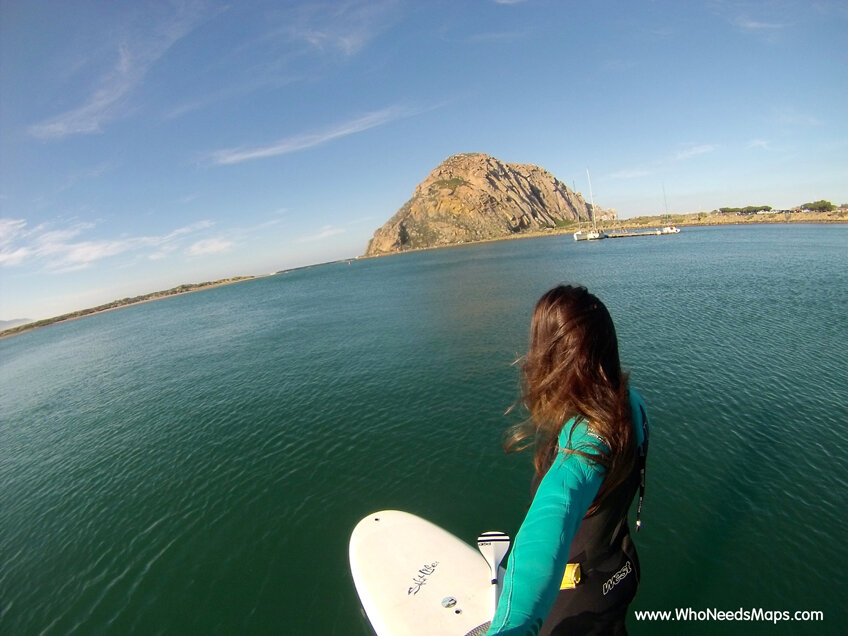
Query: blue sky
{"type": "Point", "coordinates": [148, 144]}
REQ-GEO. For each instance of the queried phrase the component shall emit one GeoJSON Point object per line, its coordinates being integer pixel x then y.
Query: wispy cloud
{"type": "Point", "coordinates": [297, 41]}
{"type": "Point", "coordinates": [188, 229]}
{"type": "Point", "coordinates": [133, 56]}
{"type": "Point", "coordinates": [497, 37]}
{"type": "Point", "coordinates": [793, 117]}
{"type": "Point", "coordinates": [310, 140]}
{"type": "Point", "coordinates": [509, 1]}
{"type": "Point", "coordinates": [10, 229]}
{"type": "Point", "coordinates": [619, 65]}
{"type": "Point", "coordinates": [759, 143]}
{"type": "Point", "coordinates": [80, 255]}
{"type": "Point", "coordinates": [88, 174]}
{"type": "Point", "coordinates": [660, 32]}
{"type": "Point", "coordinates": [14, 256]}
{"type": "Point", "coordinates": [660, 164]}
{"type": "Point", "coordinates": [169, 243]}
{"type": "Point", "coordinates": [695, 151]}
{"type": "Point", "coordinates": [266, 75]}
{"type": "Point", "coordinates": [769, 30]}
{"type": "Point", "coordinates": [756, 25]}
{"type": "Point", "coordinates": [206, 247]}
{"type": "Point", "coordinates": [67, 249]}
{"type": "Point", "coordinates": [633, 173]}
{"type": "Point", "coordinates": [347, 26]}
{"type": "Point", "coordinates": [326, 232]}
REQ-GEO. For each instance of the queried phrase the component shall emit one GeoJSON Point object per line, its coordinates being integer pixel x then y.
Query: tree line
{"type": "Point", "coordinates": [750, 209]}
{"type": "Point", "coordinates": [815, 206]}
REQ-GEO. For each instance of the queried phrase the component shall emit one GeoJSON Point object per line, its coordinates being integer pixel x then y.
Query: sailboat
{"type": "Point", "coordinates": [593, 234]}
{"type": "Point", "coordinates": [668, 228]}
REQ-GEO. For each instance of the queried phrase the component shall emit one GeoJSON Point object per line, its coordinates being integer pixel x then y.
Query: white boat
{"type": "Point", "coordinates": [669, 228]}
{"type": "Point", "coordinates": [594, 234]}
{"type": "Point", "coordinates": [589, 235]}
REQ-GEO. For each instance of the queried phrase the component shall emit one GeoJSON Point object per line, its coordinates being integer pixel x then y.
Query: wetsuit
{"type": "Point", "coordinates": [555, 533]}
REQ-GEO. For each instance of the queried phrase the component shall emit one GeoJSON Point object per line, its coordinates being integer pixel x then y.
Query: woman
{"type": "Point", "coordinates": [589, 434]}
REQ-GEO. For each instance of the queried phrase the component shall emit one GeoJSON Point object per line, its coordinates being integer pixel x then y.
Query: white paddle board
{"type": "Point", "coordinates": [414, 577]}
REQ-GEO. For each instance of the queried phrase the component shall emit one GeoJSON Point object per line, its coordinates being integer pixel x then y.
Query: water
{"type": "Point", "coordinates": [196, 464]}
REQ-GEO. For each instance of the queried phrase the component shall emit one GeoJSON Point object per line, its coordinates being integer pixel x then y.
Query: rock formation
{"type": "Point", "coordinates": [474, 197]}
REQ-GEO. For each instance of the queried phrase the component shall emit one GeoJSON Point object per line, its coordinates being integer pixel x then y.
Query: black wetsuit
{"type": "Point", "coordinates": [556, 532]}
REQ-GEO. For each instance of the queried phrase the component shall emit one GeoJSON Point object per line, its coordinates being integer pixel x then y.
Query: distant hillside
{"type": "Point", "coordinates": [475, 197]}
{"type": "Point", "coordinates": [10, 324]}
{"type": "Point", "coordinates": [28, 325]}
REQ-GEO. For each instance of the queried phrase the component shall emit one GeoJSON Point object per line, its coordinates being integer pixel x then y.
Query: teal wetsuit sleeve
{"type": "Point", "coordinates": [541, 547]}
{"type": "Point", "coordinates": [639, 414]}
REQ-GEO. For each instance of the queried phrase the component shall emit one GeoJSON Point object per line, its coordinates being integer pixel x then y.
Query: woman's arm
{"type": "Point", "coordinates": [541, 546]}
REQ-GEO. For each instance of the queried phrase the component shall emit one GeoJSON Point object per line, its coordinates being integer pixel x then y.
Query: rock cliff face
{"type": "Point", "coordinates": [474, 197]}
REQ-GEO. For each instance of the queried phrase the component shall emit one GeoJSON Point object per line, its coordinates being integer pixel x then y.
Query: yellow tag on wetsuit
{"type": "Point", "coordinates": [571, 577]}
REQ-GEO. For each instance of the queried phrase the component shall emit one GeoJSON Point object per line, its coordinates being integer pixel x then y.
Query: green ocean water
{"type": "Point", "coordinates": [195, 465]}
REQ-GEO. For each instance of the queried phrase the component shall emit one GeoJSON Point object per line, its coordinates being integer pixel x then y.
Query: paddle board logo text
{"type": "Point", "coordinates": [421, 578]}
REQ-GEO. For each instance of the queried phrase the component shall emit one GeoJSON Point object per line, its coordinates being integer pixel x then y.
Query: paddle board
{"type": "Point", "coordinates": [414, 577]}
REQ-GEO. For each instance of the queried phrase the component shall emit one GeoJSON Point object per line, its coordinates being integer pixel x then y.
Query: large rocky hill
{"type": "Point", "coordinates": [475, 197]}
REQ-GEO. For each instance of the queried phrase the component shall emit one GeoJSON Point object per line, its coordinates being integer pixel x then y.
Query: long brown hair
{"type": "Point", "coordinates": [572, 370]}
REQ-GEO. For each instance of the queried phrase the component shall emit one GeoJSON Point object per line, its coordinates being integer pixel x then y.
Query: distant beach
{"type": "Point", "coordinates": [124, 302]}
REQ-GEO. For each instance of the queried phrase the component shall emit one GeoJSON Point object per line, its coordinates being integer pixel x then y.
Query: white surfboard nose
{"type": "Point", "coordinates": [416, 578]}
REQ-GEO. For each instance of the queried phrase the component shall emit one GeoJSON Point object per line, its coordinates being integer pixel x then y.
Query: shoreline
{"type": "Point", "coordinates": [695, 219]}
{"type": "Point", "coordinates": [180, 290]}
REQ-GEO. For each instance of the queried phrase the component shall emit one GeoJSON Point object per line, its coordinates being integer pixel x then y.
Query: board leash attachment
{"type": "Point", "coordinates": [493, 546]}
